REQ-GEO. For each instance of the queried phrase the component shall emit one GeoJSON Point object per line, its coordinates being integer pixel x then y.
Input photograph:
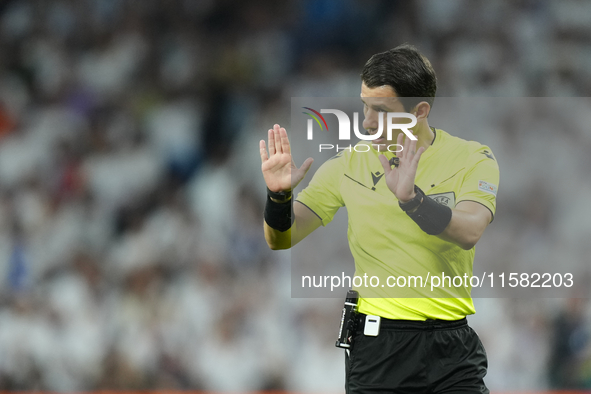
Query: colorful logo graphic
{"type": "Point", "coordinates": [487, 187]}
{"type": "Point", "coordinates": [315, 118]}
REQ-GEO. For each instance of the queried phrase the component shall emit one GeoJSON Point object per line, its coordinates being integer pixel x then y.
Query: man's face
{"type": "Point", "coordinates": [376, 103]}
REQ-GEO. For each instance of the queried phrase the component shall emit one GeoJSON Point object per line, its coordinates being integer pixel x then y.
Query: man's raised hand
{"type": "Point", "coordinates": [279, 169]}
{"type": "Point", "coordinates": [401, 180]}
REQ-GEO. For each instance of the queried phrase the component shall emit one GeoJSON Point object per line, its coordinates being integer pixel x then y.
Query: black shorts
{"type": "Point", "coordinates": [416, 357]}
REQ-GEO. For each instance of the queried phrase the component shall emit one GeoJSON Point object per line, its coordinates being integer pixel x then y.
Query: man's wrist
{"type": "Point", "coordinates": [432, 217]}
{"type": "Point", "coordinates": [413, 210]}
{"type": "Point", "coordinates": [280, 201]}
{"type": "Point", "coordinates": [413, 195]}
{"type": "Point", "coordinates": [279, 215]}
{"type": "Point", "coordinates": [279, 197]}
{"type": "Point", "coordinates": [411, 205]}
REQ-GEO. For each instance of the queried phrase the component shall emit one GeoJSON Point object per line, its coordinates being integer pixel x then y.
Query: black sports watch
{"type": "Point", "coordinates": [282, 196]}
{"type": "Point", "coordinates": [415, 202]}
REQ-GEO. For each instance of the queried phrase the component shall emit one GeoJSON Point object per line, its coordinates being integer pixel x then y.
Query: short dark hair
{"type": "Point", "coordinates": [404, 69]}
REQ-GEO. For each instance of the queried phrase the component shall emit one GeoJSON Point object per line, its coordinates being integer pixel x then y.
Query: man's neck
{"type": "Point", "coordinates": [424, 135]}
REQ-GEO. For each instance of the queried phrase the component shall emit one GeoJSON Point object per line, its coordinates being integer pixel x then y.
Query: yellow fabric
{"type": "Point", "coordinates": [385, 242]}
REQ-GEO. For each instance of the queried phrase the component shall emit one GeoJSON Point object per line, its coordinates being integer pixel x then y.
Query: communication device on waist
{"type": "Point", "coordinates": [348, 320]}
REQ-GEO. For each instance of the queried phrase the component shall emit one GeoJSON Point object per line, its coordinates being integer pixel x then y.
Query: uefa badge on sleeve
{"type": "Point", "coordinates": [487, 187]}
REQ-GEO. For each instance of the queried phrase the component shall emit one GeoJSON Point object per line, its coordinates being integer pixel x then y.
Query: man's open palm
{"type": "Point", "coordinates": [401, 180]}
{"type": "Point", "coordinates": [279, 170]}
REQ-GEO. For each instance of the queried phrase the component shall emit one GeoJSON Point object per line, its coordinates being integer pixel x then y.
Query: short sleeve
{"type": "Point", "coordinates": [323, 195]}
{"type": "Point", "coordinates": [481, 181]}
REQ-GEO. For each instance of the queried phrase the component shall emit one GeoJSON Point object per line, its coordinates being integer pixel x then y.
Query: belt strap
{"type": "Point", "coordinates": [414, 325]}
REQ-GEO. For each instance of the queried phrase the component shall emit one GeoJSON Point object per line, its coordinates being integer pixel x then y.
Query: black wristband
{"type": "Point", "coordinates": [280, 196]}
{"type": "Point", "coordinates": [279, 215]}
{"type": "Point", "coordinates": [431, 216]}
{"type": "Point", "coordinates": [414, 203]}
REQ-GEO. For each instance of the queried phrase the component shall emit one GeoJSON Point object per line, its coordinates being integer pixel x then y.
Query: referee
{"type": "Point", "coordinates": [417, 212]}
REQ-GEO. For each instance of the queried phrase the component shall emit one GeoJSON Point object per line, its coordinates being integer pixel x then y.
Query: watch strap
{"type": "Point", "coordinates": [282, 196]}
{"type": "Point", "coordinates": [415, 202]}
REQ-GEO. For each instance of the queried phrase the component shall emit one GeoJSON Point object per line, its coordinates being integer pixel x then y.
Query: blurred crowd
{"type": "Point", "coordinates": [131, 246]}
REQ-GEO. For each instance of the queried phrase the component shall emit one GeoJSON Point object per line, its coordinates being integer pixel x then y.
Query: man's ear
{"type": "Point", "coordinates": [421, 111]}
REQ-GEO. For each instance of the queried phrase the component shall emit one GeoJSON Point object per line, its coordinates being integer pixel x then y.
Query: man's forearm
{"type": "Point", "coordinates": [304, 223]}
{"type": "Point", "coordinates": [462, 230]}
{"type": "Point", "coordinates": [462, 226]}
{"type": "Point", "coordinates": [276, 239]}
{"type": "Point", "coordinates": [467, 224]}
{"type": "Point", "coordinates": [278, 219]}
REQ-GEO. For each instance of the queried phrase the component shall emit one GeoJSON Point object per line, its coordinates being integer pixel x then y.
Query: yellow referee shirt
{"type": "Point", "coordinates": [386, 243]}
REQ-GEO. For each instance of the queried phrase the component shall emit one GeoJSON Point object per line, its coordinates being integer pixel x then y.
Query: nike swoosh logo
{"type": "Point", "coordinates": [376, 179]}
